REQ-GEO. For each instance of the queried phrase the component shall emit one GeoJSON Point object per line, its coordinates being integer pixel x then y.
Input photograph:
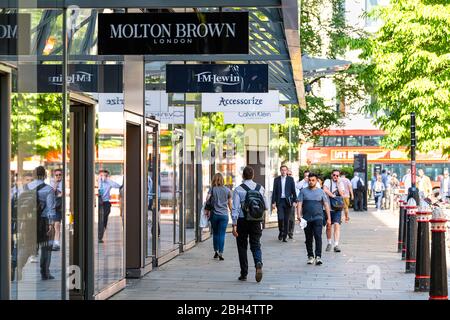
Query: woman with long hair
{"type": "Point", "coordinates": [222, 204]}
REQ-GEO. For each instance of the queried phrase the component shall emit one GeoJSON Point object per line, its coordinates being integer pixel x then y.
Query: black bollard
{"type": "Point", "coordinates": [411, 232]}
{"type": "Point", "coordinates": [422, 281]}
{"type": "Point", "coordinates": [401, 222]}
{"type": "Point", "coordinates": [438, 280]}
{"type": "Point", "coordinates": [404, 232]}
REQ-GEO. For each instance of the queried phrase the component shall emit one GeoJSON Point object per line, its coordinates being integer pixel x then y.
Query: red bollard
{"type": "Point", "coordinates": [411, 232]}
{"type": "Point", "coordinates": [438, 281]}
{"type": "Point", "coordinates": [422, 280]}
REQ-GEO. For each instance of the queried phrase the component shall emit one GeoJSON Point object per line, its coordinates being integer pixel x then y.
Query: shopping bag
{"type": "Point", "coordinates": [204, 221]}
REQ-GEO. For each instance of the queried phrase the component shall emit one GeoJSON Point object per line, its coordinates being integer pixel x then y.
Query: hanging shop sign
{"type": "Point", "coordinates": [48, 78]}
{"type": "Point", "coordinates": [15, 34]}
{"type": "Point", "coordinates": [255, 117]}
{"type": "Point", "coordinates": [175, 115]}
{"type": "Point", "coordinates": [235, 102]}
{"type": "Point", "coordinates": [173, 33]}
{"type": "Point", "coordinates": [182, 78]}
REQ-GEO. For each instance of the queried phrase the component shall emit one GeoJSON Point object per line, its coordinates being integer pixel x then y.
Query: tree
{"type": "Point", "coordinates": [408, 71]}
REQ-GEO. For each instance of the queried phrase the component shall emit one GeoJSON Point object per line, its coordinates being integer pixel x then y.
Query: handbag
{"type": "Point", "coordinates": [209, 205]}
{"type": "Point", "coordinates": [336, 203]}
{"type": "Point", "coordinates": [204, 223]}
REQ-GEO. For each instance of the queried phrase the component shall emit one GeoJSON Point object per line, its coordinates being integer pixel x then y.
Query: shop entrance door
{"type": "Point", "coordinates": [152, 226]}
{"type": "Point", "coordinates": [80, 182]}
{"type": "Point", "coordinates": [171, 195]}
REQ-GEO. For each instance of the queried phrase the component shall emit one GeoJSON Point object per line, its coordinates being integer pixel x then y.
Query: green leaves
{"type": "Point", "coordinates": [408, 70]}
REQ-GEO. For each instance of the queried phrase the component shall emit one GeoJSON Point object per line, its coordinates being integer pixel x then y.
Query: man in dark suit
{"type": "Point", "coordinates": [283, 198]}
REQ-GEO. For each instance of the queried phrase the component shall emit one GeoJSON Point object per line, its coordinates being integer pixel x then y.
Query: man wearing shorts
{"type": "Point", "coordinates": [334, 187]}
{"type": "Point", "coordinates": [348, 194]}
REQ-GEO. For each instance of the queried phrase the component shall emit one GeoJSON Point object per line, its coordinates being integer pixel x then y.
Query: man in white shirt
{"type": "Point", "coordinates": [445, 185]}
{"type": "Point", "coordinates": [407, 180]}
{"type": "Point", "coordinates": [334, 187]}
{"type": "Point", "coordinates": [357, 192]}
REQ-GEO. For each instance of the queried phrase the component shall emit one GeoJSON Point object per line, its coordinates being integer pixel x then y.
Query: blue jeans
{"type": "Point", "coordinates": [219, 226]}
{"type": "Point", "coordinates": [378, 199]}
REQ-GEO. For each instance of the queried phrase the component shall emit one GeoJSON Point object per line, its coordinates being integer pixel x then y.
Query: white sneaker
{"type": "Point", "coordinates": [310, 260]}
{"type": "Point", "coordinates": [318, 261]}
{"type": "Point", "coordinates": [34, 259]}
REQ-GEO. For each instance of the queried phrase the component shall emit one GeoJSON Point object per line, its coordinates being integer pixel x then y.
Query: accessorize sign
{"type": "Point", "coordinates": [182, 78]}
{"type": "Point", "coordinates": [173, 33]}
{"type": "Point", "coordinates": [175, 115]}
{"type": "Point", "coordinates": [235, 102]}
{"type": "Point", "coordinates": [81, 78]}
{"type": "Point", "coordinates": [15, 34]}
{"type": "Point", "coordinates": [255, 117]}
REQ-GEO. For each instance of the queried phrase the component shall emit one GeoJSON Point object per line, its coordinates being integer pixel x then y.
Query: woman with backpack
{"type": "Point", "coordinates": [218, 205]}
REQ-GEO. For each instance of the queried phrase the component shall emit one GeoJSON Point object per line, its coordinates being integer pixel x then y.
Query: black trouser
{"type": "Point", "coordinates": [292, 222]}
{"type": "Point", "coordinates": [248, 231]}
{"type": "Point", "coordinates": [46, 258]}
{"type": "Point", "coordinates": [105, 210]}
{"type": "Point", "coordinates": [313, 230]}
{"type": "Point", "coordinates": [358, 201]}
{"type": "Point", "coordinates": [284, 212]}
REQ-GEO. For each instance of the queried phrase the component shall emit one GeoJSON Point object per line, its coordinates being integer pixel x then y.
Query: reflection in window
{"type": "Point", "coordinates": [354, 141]}
{"type": "Point", "coordinates": [372, 141]}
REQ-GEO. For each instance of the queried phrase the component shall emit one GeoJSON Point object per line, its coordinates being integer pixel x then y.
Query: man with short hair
{"type": "Point", "coordinates": [310, 206]}
{"type": "Point", "coordinates": [348, 194]}
{"type": "Point", "coordinates": [358, 192]}
{"type": "Point", "coordinates": [283, 198]}
{"type": "Point", "coordinates": [45, 222]}
{"type": "Point", "coordinates": [105, 184]}
{"type": "Point", "coordinates": [246, 231]}
{"type": "Point", "coordinates": [334, 187]}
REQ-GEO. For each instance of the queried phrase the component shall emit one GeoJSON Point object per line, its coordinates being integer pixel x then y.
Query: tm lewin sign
{"type": "Point", "coordinates": [173, 33]}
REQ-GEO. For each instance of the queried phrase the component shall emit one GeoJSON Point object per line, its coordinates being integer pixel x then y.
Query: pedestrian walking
{"type": "Point", "coordinates": [291, 228]}
{"type": "Point", "coordinates": [39, 197]}
{"type": "Point", "coordinates": [221, 200]}
{"type": "Point", "coordinates": [247, 215]}
{"type": "Point", "coordinates": [283, 198]}
{"type": "Point", "coordinates": [311, 203]}
{"type": "Point", "coordinates": [347, 195]}
{"type": "Point", "coordinates": [445, 185]}
{"type": "Point", "coordinates": [358, 192]}
{"type": "Point", "coordinates": [378, 189]}
{"type": "Point", "coordinates": [57, 189]}
{"type": "Point", "coordinates": [424, 184]}
{"type": "Point", "coordinates": [105, 184]}
{"type": "Point", "coordinates": [334, 188]}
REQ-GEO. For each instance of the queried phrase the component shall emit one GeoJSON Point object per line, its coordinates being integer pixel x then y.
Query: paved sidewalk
{"type": "Point", "coordinates": [369, 248]}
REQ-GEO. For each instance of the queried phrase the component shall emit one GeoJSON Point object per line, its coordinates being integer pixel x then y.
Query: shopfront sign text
{"type": "Point", "coordinates": [217, 78]}
{"type": "Point", "coordinates": [255, 117]}
{"type": "Point", "coordinates": [47, 78]}
{"type": "Point", "coordinates": [237, 102]}
{"type": "Point", "coordinates": [173, 33]}
{"type": "Point", "coordinates": [15, 34]}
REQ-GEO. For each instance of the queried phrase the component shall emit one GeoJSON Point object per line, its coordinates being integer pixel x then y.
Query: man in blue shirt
{"type": "Point", "coordinates": [45, 227]}
{"type": "Point", "coordinates": [247, 231]}
{"type": "Point", "coordinates": [105, 184]}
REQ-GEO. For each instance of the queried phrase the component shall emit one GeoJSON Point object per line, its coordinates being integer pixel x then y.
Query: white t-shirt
{"type": "Point", "coordinates": [333, 186]}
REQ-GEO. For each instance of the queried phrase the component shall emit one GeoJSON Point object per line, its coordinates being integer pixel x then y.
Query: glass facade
{"type": "Point", "coordinates": [69, 170]}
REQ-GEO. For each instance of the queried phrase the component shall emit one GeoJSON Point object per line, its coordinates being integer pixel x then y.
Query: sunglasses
{"type": "Point", "coordinates": [58, 175]}
{"type": "Point", "coordinates": [335, 175]}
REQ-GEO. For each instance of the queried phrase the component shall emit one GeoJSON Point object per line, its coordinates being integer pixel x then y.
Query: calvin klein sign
{"type": "Point", "coordinates": [81, 78]}
{"type": "Point", "coordinates": [217, 78]}
{"type": "Point", "coordinates": [255, 117]}
{"type": "Point", "coordinates": [173, 33]}
{"type": "Point", "coordinates": [15, 34]}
